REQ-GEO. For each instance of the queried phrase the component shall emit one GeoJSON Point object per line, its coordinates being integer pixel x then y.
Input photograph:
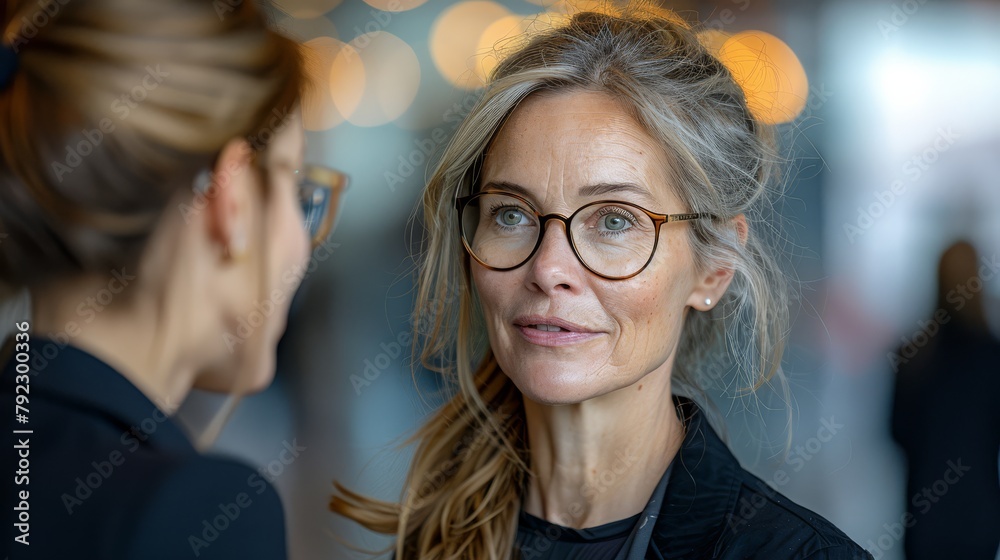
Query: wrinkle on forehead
{"type": "Point", "coordinates": [555, 144]}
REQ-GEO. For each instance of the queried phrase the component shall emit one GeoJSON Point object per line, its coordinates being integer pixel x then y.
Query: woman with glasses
{"type": "Point", "coordinates": [602, 207]}
{"type": "Point", "coordinates": [153, 199]}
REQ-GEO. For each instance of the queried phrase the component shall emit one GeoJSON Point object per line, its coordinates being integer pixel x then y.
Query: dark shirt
{"type": "Point", "coordinates": [713, 508]}
{"type": "Point", "coordinates": [109, 476]}
{"type": "Point", "coordinates": [538, 539]}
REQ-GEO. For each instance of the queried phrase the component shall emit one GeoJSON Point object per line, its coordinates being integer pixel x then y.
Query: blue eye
{"type": "Point", "coordinates": [613, 222]}
{"type": "Point", "coordinates": [510, 217]}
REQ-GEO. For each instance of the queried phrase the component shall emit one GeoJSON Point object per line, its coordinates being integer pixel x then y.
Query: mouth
{"type": "Point", "coordinates": [553, 331]}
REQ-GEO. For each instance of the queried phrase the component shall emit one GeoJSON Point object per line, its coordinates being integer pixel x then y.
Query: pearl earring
{"type": "Point", "coordinates": [708, 301]}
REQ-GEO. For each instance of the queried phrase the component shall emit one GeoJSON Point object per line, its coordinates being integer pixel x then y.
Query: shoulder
{"type": "Point", "coordinates": [762, 521]}
{"type": "Point", "coordinates": [207, 507]}
{"type": "Point", "coordinates": [715, 508]}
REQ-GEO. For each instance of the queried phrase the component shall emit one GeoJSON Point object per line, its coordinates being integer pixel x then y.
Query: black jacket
{"type": "Point", "coordinates": [716, 509]}
{"type": "Point", "coordinates": [109, 476]}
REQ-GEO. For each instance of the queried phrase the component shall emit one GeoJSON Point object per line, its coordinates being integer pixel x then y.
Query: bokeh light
{"type": "Point", "coordinates": [394, 5]}
{"type": "Point", "coordinates": [497, 39]}
{"type": "Point", "coordinates": [456, 37]}
{"type": "Point", "coordinates": [306, 9]}
{"type": "Point", "coordinates": [771, 75]}
{"type": "Point", "coordinates": [573, 6]}
{"type": "Point", "coordinates": [391, 77]}
{"type": "Point", "coordinates": [336, 86]}
{"type": "Point", "coordinates": [304, 29]}
{"type": "Point", "coordinates": [713, 39]}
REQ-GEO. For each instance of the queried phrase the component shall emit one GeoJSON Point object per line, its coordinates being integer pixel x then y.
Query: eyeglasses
{"type": "Point", "coordinates": [320, 190]}
{"type": "Point", "coordinates": [614, 240]}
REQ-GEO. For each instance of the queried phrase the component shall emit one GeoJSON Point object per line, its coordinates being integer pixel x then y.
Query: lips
{"type": "Point", "coordinates": [553, 331]}
{"type": "Point", "coordinates": [550, 324]}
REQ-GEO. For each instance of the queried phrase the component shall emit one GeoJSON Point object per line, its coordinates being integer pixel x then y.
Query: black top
{"type": "Point", "coordinates": [109, 476]}
{"type": "Point", "coordinates": [538, 539]}
{"type": "Point", "coordinates": [713, 508]}
{"type": "Point", "coordinates": [716, 509]}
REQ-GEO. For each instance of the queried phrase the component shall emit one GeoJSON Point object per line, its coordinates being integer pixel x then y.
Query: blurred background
{"type": "Point", "coordinates": [888, 112]}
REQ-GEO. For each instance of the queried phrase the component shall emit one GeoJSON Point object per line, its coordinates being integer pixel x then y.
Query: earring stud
{"type": "Point", "coordinates": [708, 301]}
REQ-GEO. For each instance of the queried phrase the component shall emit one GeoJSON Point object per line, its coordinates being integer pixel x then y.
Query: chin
{"type": "Point", "coordinates": [557, 386]}
{"type": "Point", "coordinates": [261, 375]}
{"type": "Point", "coordinates": [248, 376]}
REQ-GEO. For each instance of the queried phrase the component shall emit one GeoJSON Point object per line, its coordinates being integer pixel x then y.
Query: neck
{"type": "Point", "coordinates": [600, 460]}
{"type": "Point", "coordinates": [122, 334]}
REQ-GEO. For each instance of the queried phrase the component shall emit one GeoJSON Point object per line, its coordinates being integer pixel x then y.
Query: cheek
{"type": "Point", "coordinates": [496, 290]}
{"type": "Point", "coordinates": [288, 248]}
{"type": "Point", "coordinates": [650, 313]}
{"type": "Point", "coordinates": [292, 238]}
{"type": "Point", "coordinates": [486, 285]}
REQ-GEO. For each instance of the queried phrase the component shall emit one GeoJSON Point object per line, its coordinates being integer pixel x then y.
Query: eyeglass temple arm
{"type": "Point", "coordinates": [689, 216]}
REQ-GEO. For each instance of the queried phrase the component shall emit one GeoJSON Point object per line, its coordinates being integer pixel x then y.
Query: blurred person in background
{"type": "Point", "coordinates": [946, 419]}
{"type": "Point", "coordinates": [603, 209]}
{"type": "Point", "coordinates": [152, 201]}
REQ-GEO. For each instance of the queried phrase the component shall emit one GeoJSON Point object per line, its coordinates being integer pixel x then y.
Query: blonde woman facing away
{"type": "Point", "coordinates": [152, 198]}
{"type": "Point", "coordinates": [601, 205]}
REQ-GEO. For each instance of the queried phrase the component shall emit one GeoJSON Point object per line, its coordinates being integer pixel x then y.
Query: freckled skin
{"type": "Point", "coordinates": [553, 145]}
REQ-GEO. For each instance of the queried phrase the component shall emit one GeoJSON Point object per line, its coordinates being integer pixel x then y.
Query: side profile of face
{"type": "Point", "coordinates": [561, 333]}
{"type": "Point", "coordinates": [255, 308]}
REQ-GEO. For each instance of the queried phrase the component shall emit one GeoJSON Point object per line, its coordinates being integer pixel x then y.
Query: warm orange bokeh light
{"type": "Point", "coordinates": [303, 30]}
{"type": "Point", "coordinates": [394, 5]}
{"type": "Point", "coordinates": [769, 72]}
{"type": "Point", "coordinates": [328, 95]}
{"type": "Point", "coordinates": [391, 77]}
{"type": "Point", "coordinates": [713, 39]}
{"type": "Point", "coordinates": [498, 39]}
{"type": "Point", "coordinates": [306, 8]}
{"type": "Point", "coordinates": [456, 37]}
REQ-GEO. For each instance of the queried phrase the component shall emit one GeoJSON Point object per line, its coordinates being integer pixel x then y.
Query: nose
{"type": "Point", "coordinates": [554, 267]}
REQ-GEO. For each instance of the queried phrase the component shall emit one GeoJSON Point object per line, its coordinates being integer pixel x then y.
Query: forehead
{"type": "Point", "coordinates": [556, 144]}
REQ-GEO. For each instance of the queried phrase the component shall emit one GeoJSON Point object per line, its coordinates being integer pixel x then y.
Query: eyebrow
{"type": "Point", "coordinates": [598, 189]}
{"type": "Point", "coordinates": [607, 188]}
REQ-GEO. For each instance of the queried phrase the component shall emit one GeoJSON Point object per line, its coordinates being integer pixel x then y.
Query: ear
{"type": "Point", "coordinates": [228, 199]}
{"type": "Point", "coordinates": [713, 283]}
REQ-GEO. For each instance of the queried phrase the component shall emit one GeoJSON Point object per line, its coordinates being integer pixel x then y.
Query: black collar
{"type": "Point", "coordinates": [700, 492]}
{"type": "Point", "coordinates": [74, 377]}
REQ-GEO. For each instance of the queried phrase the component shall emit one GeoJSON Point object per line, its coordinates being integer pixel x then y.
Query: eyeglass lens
{"type": "Point", "coordinates": [612, 239]}
{"type": "Point", "coordinates": [320, 190]}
